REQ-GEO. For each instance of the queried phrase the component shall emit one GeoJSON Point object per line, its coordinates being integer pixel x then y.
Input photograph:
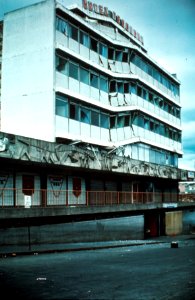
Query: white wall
{"type": "Point", "coordinates": [27, 72]}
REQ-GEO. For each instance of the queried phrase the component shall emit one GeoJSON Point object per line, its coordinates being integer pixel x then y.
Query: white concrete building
{"type": "Point", "coordinates": [81, 75]}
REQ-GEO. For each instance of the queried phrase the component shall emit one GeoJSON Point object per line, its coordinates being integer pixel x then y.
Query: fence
{"type": "Point", "coordinates": [48, 198]}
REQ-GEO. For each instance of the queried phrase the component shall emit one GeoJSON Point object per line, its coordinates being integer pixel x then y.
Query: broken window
{"type": "Point", "coordinates": [112, 86]}
{"type": "Point", "coordinates": [94, 45]}
{"type": "Point", "coordinates": [113, 122]}
{"type": "Point", "coordinates": [161, 103]}
{"type": "Point", "coordinates": [125, 57]}
{"type": "Point", "coordinates": [127, 121]}
{"type": "Point", "coordinates": [62, 25]}
{"type": "Point", "coordinates": [74, 111]}
{"type": "Point", "coordinates": [85, 115]}
{"type": "Point", "coordinates": [61, 65]}
{"type": "Point", "coordinates": [126, 87]}
{"type": "Point", "coordinates": [139, 91]}
{"type": "Point", "coordinates": [111, 53]}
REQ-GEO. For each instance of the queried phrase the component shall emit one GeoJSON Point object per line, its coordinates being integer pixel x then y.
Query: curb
{"type": "Point", "coordinates": [74, 249]}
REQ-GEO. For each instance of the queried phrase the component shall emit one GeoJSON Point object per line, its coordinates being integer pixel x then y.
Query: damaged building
{"type": "Point", "coordinates": [87, 116]}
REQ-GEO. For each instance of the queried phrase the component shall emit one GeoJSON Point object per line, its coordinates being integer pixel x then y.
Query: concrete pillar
{"type": "Point", "coordinates": [173, 222]}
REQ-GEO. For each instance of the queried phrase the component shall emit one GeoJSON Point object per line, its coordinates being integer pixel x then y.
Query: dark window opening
{"type": "Point", "coordinates": [94, 45]}
{"type": "Point", "coordinates": [111, 53]}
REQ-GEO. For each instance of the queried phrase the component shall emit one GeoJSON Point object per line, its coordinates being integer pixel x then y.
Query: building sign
{"type": "Point", "coordinates": [104, 11]}
{"type": "Point", "coordinates": [27, 201]}
{"type": "Point", "coordinates": [56, 184]}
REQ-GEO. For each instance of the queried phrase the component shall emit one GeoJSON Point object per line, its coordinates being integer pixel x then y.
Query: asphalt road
{"type": "Point", "coordinates": [135, 272]}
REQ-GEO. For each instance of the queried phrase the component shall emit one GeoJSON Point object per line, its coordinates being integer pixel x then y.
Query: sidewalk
{"type": "Point", "coordinates": [13, 250]}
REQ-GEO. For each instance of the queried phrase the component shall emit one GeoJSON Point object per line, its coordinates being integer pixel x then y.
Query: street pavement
{"type": "Point", "coordinates": [155, 269]}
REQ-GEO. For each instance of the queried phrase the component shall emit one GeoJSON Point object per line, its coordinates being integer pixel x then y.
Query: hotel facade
{"type": "Point", "coordinates": [87, 116]}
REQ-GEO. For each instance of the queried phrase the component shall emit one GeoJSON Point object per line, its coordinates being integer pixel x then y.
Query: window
{"type": "Point", "coordinates": [157, 128]}
{"type": "Point", "coordinates": [120, 87]}
{"type": "Point", "coordinates": [84, 76]}
{"type": "Point", "coordinates": [146, 124]}
{"type": "Point", "coordinates": [177, 112]}
{"type": "Point", "coordinates": [127, 121]}
{"type": "Point", "coordinates": [73, 70]}
{"type": "Point", "coordinates": [133, 88]}
{"type": "Point", "coordinates": [85, 115]}
{"type": "Point", "coordinates": [161, 129]}
{"type": "Point", "coordinates": [151, 97]}
{"type": "Point", "coordinates": [74, 111]}
{"type": "Point", "coordinates": [73, 32]}
{"type": "Point", "coordinates": [95, 118]}
{"type": "Point", "coordinates": [84, 39]}
{"type": "Point", "coordinates": [111, 53]}
{"type": "Point", "coordinates": [126, 88]}
{"type": "Point", "coordinates": [119, 55]}
{"type": "Point", "coordinates": [145, 94]}
{"type": "Point", "coordinates": [120, 121]}
{"type": "Point", "coordinates": [94, 45]}
{"type": "Point", "coordinates": [150, 70]}
{"type": "Point", "coordinates": [125, 56]}
{"type": "Point", "coordinates": [103, 50]}
{"type": "Point", "coordinates": [141, 122]}
{"type": "Point", "coordinates": [103, 84]}
{"type": "Point", "coordinates": [112, 86]}
{"type": "Point", "coordinates": [61, 65]}
{"type": "Point", "coordinates": [151, 126]}
{"type": "Point", "coordinates": [61, 106]}
{"type": "Point", "coordinates": [139, 91]}
{"type": "Point", "coordinates": [62, 26]}
{"type": "Point", "coordinates": [94, 80]}
{"type": "Point", "coordinates": [104, 120]}
{"type": "Point", "coordinates": [113, 122]}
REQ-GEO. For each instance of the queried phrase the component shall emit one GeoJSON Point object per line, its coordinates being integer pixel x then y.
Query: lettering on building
{"type": "Point", "coordinates": [104, 11]}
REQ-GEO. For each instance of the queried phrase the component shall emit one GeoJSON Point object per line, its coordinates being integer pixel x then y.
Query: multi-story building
{"type": "Point", "coordinates": [84, 108]}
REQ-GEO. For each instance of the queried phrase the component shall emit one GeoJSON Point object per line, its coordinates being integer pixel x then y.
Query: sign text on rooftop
{"type": "Point", "coordinates": [104, 11]}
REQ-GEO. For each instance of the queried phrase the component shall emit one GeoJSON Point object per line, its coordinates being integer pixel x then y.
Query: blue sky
{"type": "Point", "coordinates": [168, 29]}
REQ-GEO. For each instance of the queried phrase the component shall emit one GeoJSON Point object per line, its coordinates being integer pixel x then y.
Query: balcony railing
{"type": "Point", "coordinates": [48, 198]}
